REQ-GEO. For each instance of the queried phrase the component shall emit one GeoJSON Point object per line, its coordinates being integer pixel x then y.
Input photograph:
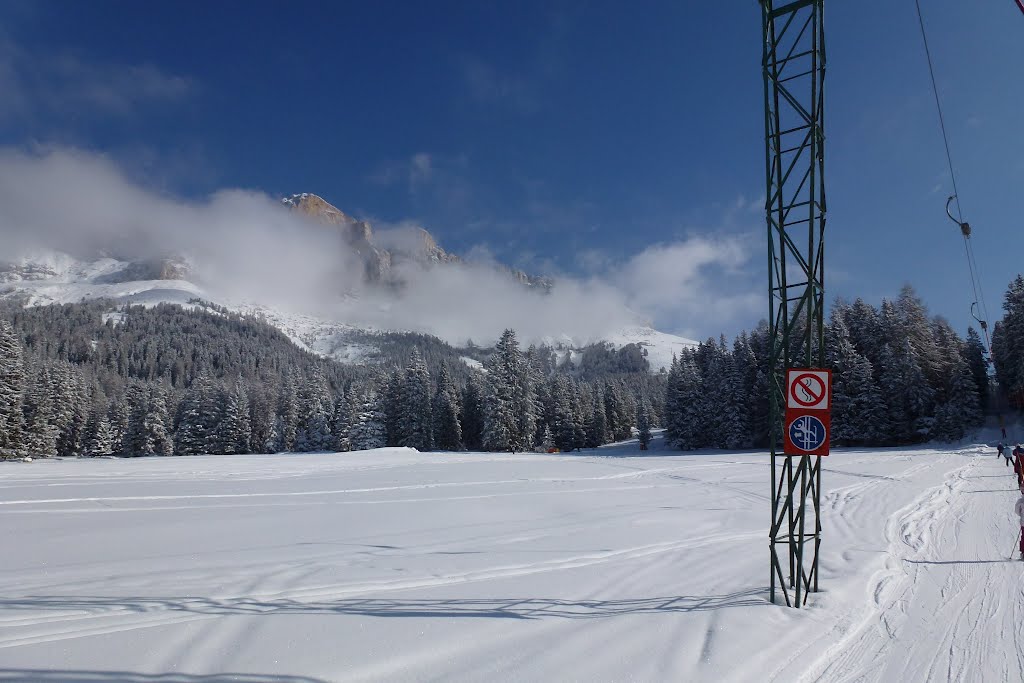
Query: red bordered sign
{"type": "Point", "coordinates": [808, 389]}
{"type": "Point", "coordinates": [807, 432]}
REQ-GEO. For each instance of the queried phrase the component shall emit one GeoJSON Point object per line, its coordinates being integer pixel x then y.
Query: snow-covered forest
{"type": "Point", "coordinates": [78, 380]}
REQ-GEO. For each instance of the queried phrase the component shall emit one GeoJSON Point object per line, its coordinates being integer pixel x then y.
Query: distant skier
{"type": "Point", "coordinates": [1019, 509]}
{"type": "Point", "coordinates": [999, 449]}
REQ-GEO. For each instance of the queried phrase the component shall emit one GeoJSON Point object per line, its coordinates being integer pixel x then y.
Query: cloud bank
{"type": "Point", "coordinates": [246, 247]}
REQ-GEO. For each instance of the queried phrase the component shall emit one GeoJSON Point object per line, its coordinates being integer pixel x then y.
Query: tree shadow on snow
{"type": "Point", "coordinates": [72, 676]}
{"type": "Point", "coordinates": [500, 608]}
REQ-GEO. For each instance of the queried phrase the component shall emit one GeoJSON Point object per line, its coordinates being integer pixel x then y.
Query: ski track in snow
{"type": "Point", "coordinates": [946, 606]}
{"type": "Point", "coordinates": [526, 567]}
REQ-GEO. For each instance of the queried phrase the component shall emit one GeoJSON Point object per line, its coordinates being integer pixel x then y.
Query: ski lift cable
{"type": "Point", "coordinates": [965, 229]}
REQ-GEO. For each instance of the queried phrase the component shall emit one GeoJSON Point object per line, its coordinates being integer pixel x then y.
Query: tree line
{"type": "Point", "coordinates": [900, 376]}
{"type": "Point", "coordinates": [78, 380]}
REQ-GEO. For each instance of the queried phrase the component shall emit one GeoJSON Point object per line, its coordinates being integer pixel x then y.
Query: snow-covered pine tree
{"type": "Point", "coordinates": [975, 355]}
{"type": "Point", "coordinates": [236, 428]}
{"type": "Point", "coordinates": [342, 421]}
{"type": "Point", "coordinates": [69, 407]}
{"type": "Point", "coordinates": [547, 441]}
{"type": "Point", "coordinates": [392, 396]}
{"type": "Point", "coordinates": [472, 419]}
{"type": "Point", "coordinates": [99, 435]}
{"type": "Point", "coordinates": [156, 422]}
{"type": "Point", "coordinates": [287, 414]}
{"type": "Point", "coordinates": [1008, 344]}
{"type": "Point", "coordinates": [118, 415]}
{"type": "Point", "coordinates": [962, 410]}
{"type": "Point", "coordinates": [738, 400]}
{"type": "Point", "coordinates": [858, 412]}
{"type": "Point", "coordinates": [502, 397]}
{"type": "Point", "coordinates": [40, 431]}
{"type": "Point", "coordinates": [683, 426]}
{"type": "Point", "coordinates": [643, 425]}
{"type": "Point", "coordinates": [862, 321]}
{"type": "Point", "coordinates": [528, 408]}
{"type": "Point", "coordinates": [597, 425]}
{"type": "Point", "coordinates": [261, 416]}
{"type": "Point", "coordinates": [313, 431]}
{"type": "Point", "coordinates": [416, 423]}
{"type": "Point", "coordinates": [447, 430]}
{"type": "Point", "coordinates": [369, 429]}
{"type": "Point", "coordinates": [620, 411]}
{"type": "Point", "coordinates": [716, 395]}
{"type": "Point", "coordinates": [543, 390]}
{"type": "Point", "coordinates": [199, 417]}
{"type": "Point", "coordinates": [12, 392]}
{"type": "Point", "coordinates": [137, 438]}
{"type": "Point", "coordinates": [909, 397]}
{"type": "Point", "coordinates": [917, 326]}
{"type": "Point", "coordinates": [568, 425]}
{"type": "Point", "coordinates": [539, 363]}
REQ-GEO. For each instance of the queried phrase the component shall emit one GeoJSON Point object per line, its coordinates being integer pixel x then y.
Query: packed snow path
{"type": "Point", "coordinates": [607, 566]}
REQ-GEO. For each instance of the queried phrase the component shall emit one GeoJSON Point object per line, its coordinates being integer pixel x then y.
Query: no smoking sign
{"type": "Point", "coordinates": [808, 389]}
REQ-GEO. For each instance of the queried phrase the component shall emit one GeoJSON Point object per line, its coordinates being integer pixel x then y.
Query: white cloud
{"type": "Point", "coordinates": [246, 246]}
{"type": "Point", "coordinates": [57, 84]}
{"type": "Point", "coordinates": [487, 84]}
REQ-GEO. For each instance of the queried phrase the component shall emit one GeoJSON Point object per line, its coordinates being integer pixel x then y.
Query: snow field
{"type": "Point", "coordinates": [401, 566]}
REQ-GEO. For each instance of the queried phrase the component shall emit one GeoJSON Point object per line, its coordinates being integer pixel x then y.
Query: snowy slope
{"type": "Point", "coordinates": [660, 346]}
{"type": "Point", "coordinates": [392, 565]}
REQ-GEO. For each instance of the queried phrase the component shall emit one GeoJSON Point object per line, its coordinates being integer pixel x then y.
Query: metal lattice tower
{"type": "Point", "coordinates": [794, 75]}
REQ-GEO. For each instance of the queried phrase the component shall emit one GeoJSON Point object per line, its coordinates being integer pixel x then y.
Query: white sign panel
{"type": "Point", "coordinates": [808, 389]}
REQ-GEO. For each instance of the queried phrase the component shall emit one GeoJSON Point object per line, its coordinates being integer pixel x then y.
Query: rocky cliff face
{"type": "Point", "coordinates": [381, 254]}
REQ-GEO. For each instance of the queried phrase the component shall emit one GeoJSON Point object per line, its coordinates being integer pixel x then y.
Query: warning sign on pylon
{"type": "Point", "coordinates": [806, 432]}
{"type": "Point", "coordinates": [808, 389]}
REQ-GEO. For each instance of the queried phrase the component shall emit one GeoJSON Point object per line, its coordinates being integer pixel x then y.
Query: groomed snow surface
{"type": "Point", "coordinates": [392, 565]}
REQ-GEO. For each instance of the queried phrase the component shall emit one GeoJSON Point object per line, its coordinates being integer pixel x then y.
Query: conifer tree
{"type": "Point", "coordinates": [976, 357]}
{"type": "Point", "coordinates": [312, 430]}
{"type": "Point", "coordinates": [472, 414]}
{"type": "Point", "coordinates": [99, 435]}
{"type": "Point", "coordinates": [40, 431]}
{"type": "Point", "coordinates": [643, 426]}
{"type": "Point", "coordinates": [236, 428]}
{"type": "Point", "coordinates": [503, 396]}
{"type": "Point", "coordinates": [909, 397]}
{"type": "Point", "coordinates": [199, 419]}
{"type": "Point", "coordinates": [342, 421]}
{"type": "Point", "coordinates": [568, 426]}
{"type": "Point", "coordinates": [12, 391]}
{"type": "Point", "coordinates": [392, 397]}
{"type": "Point", "coordinates": [597, 425]}
{"type": "Point", "coordinates": [287, 414]}
{"type": "Point", "coordinates": [416, 422]}
{"type": "Point", "coordinates": [684, 425]}
{"type": "Point", "coordinates": [118, 415]}
{"type": "Point", "coordinates": [447, 429]}
{"type": "Point", "coordinates": [157, 421]}
{"type": "Point", "coordinates": [961, 411]}
{"type": "Point", "coordinates": [369, 430]}
{"type": "Point", "coordinates": [547, 441]}
{"type": "Point", "coordinates": [858, 412]}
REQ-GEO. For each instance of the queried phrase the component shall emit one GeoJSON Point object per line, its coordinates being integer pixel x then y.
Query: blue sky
{"type": "Point", "coordinates": [563, 137]}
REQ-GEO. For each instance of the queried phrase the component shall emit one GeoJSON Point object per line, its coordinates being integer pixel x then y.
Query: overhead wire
{"type": "Point", "coordinates": [979, 294]}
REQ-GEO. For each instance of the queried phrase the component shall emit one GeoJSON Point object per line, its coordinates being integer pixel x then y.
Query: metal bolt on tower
{"type": "Point", "coordinates": [794, 75]}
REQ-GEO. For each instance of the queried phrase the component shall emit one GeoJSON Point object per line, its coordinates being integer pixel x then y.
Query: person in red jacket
{"type": "Point", "coordinates": [1018, 465]}
{"type": "Point", "coordinates": [1019, 509]}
